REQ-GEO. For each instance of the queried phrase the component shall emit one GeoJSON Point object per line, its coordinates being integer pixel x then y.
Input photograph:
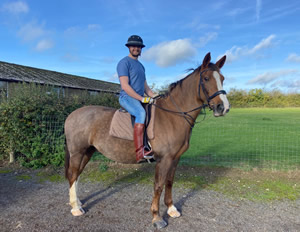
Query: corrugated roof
{"type": "Point", "coordinates": [20, 73]}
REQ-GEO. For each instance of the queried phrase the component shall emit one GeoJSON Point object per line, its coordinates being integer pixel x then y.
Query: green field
{"type": "Point", "coordinates": [251, 137]}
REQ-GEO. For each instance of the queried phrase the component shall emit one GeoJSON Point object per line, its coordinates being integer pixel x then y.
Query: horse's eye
{"type": "Point", "coordinates": [206, 78]}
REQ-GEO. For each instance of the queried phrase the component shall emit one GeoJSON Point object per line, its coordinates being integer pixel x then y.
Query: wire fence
{"type": "Point", "coordinates": [260, 139]}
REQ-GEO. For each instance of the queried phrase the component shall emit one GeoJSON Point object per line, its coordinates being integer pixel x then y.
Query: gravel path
{"type": "Point", "coordinates": [27, 205]}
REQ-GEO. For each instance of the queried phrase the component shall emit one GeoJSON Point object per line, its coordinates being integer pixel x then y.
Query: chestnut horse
{"type": "Point", "coordinates": [87, 130]}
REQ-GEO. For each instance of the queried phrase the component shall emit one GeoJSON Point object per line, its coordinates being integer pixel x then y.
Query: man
{"type": "Point", "coordinates": [133, 87]}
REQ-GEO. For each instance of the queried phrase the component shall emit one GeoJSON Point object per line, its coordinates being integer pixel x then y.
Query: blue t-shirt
{"type": "Point", "coordinates": [135, 72]}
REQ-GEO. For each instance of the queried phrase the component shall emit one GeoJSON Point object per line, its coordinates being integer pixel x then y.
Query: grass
{"type": "Point", "coordinates": [258, 185]}
{"type": "Point", "coordinates": [46, 176]}
{"type": "Point", "coordinates": [257, 190]}
{"type": "Point", "coordinates": [5, 171]}
{"type": "Point", "coordinates": [23, 177]}
{"type": "Point", "coordinates": [247, 138]}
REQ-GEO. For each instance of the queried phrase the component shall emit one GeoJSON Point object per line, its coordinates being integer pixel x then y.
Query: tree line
{"type": "Point", "coordinates": [261, 98]}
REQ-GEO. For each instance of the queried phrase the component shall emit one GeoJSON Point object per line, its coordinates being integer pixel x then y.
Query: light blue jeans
{"type": "Point", "coordinates": [134, 107]}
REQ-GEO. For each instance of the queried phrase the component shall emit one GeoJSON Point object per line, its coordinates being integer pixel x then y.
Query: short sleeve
{"type": "Point", "coordinates": [122, 68]}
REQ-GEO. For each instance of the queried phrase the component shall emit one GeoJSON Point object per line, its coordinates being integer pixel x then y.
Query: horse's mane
{"type": "Point", "coordinates": [172, 86]}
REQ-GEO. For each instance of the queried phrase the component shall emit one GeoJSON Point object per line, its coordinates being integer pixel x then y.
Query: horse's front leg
{"type": "Point", "coordinates": [161, 172]}
{"type": "Point", "coordinates": [172, 210]}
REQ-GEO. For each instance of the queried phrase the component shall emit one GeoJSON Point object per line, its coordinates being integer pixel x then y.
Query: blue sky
{"type": "Point", "coordinates": [261, 38]}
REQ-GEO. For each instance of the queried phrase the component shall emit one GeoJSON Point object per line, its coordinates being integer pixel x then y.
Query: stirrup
{"type": "Point", "coordinates": [149, 157]}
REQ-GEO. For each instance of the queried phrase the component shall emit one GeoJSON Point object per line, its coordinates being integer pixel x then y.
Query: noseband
{"type": "Point", "coordinates": [208, 98]}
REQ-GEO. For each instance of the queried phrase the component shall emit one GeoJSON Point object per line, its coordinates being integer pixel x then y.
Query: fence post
{"type": "Point", "coordinates": [11, 157]}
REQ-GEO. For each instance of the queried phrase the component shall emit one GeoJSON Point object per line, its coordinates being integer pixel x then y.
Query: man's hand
{"type": "Point", "coordinates": [148, 100]}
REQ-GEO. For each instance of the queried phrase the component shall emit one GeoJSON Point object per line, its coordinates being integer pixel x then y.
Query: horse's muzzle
{"type": "Point", "coordinates": [220, 110]}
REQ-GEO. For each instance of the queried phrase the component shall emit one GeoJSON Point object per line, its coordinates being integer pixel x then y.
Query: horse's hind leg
{"type": "Point", "coordinates": [77, 164]}
{"type": "Point", "coordinates": [172, 210]}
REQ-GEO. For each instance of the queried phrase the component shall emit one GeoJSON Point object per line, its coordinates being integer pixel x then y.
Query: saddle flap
{"type": "Point", "coordinates": [121, 125]}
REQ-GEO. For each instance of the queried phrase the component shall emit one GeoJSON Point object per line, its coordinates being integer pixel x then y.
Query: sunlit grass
{"type": "Point", "coordinates": [252, 137]}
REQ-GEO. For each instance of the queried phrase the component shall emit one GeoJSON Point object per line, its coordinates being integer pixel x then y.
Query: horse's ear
{"type": "Point", "coordinates": [221, 62]}
{"type": "Point", "coordinates": [206, 60]}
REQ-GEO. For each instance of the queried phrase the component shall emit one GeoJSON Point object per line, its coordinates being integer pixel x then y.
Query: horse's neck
{"type": "Point", "coordinates": [186, 95]}
{"type": "Point", "coordinates": [184, 98]}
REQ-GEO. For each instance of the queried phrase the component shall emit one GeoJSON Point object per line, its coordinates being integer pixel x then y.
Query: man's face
{"type": "Point", "coordinates": [135, 51]}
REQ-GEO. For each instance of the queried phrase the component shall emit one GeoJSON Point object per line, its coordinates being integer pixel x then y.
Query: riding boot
{"type": "Point", "coordinates": [138, 135]}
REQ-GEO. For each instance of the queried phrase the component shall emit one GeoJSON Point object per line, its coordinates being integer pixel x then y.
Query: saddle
{"type": "Point", "coordinates": [122, 125]}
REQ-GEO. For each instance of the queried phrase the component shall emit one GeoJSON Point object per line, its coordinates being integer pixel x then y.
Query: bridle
{"type": "Point", "coordinates": [201, 84]}
{"type": "Point", "coordinates": [186, 114]}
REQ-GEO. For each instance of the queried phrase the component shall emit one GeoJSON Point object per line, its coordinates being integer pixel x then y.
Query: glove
{"type": "Point", "coordinates": [148, 100]}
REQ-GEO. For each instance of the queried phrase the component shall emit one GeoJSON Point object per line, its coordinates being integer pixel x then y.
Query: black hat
{"type": "Point", "coordinates": [135, 40]}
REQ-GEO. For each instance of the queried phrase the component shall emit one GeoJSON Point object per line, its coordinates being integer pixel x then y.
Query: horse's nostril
{"type": "Point", "coordinates": [227, 111]}
{"type": "Point", "coordinates": [220, 107]}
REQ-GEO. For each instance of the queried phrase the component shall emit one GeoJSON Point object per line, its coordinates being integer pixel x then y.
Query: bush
{"type": "Point", "coordinates": [32, 121]}
{"type": "Point", "coordinates": [262, 98]}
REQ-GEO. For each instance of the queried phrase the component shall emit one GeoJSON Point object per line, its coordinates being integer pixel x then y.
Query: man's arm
{"type": "Point", "coordinates": [124, 81]}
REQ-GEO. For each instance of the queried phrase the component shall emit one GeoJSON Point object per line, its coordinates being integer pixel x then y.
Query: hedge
{"type": "Point", "coordinates": [26, 118]}
{"type": "Point", "coordinates": [262, 98]}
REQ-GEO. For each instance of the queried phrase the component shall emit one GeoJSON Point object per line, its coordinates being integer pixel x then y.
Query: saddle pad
{"type": "Point", "coordinates": [121, 126]}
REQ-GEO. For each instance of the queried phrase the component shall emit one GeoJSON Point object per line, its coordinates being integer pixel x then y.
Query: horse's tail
{"type": "Point", "coordinates": [67, 160]}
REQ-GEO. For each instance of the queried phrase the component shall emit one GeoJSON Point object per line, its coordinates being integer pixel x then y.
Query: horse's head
{"type": "Point", "coordinates": [211, 86]}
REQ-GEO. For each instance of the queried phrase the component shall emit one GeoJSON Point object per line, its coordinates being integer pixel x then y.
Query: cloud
{"type": "Point", "coordinates": [170, 53]}
{"type": "Point", "coordinates": [236, 52]}
{"type": "Point", "coordinates": [82, 31]}
{"type": "Point", "coordinates": [293, 58]}
{"type": "Point", "coordinates": [31, 31]}
{"type": "Point", "coordinates": [269, 77]}
{"type": "Point", "coordinates": [93, 27]}
{"type": "Point", "coordinates": [218, 5]}
{"type": "Point", "coordinates": [16, 7]}
{"type": "Point", "coordinates": [69, 57]}
{"type": "Point", "coordinates": [258, 9]}
{"type": "Point", "coordinates": [237, 11]}
{"type": "Point", "coordinates": [35, 33]}
{"type": "Point", "coordinates": [44, 44]}
{"type": "Point", "coordinates": [207, 38]}
{"type": "Point", "coordinates": [292, 86]}
{"type": "Point", "coordinates": [197, 24]}
{"type": "Point", "coordinates": [232, 54]}
{"type": "Point", "coordinates": [264, 43]}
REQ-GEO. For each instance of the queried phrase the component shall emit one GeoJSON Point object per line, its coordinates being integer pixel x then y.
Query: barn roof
{"type": "Point", "coordinates": [20, 73]}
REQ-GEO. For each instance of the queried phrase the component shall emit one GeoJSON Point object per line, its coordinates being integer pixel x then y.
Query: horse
{"type": "Point", "coordinates": [87, 130]}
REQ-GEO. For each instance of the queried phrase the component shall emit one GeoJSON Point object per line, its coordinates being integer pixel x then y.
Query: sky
{"type": "Point", "coordinates": [260, 38]}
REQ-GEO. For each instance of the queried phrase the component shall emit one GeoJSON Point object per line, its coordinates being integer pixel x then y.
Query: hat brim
{"type": "Point", "coordinates": [135, 44]}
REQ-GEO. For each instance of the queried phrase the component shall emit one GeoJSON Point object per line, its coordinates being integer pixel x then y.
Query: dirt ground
{"type": "Point", "coordinates": [28, 204]}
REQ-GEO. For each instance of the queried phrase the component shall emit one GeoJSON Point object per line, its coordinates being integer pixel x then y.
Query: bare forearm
{"type": "Point", "coordinates": [131, 92]}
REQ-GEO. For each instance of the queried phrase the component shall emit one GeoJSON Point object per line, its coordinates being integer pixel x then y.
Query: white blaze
{"type": "Point", "coordinates": [220, 87]}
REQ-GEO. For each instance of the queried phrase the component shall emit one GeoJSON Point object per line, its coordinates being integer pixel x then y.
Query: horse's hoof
{"type": "Point", "coordinates": [173, 212]}
{"type": "Point", "coordinates": [160, 224]}
{"type": "Point", "coordinates": [77, 212]}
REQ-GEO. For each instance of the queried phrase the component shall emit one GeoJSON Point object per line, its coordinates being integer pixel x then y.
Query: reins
{"type": "Point", "coordinates": [185, 114]}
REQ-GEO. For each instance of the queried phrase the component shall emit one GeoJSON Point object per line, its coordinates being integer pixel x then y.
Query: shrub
{"type": "Point", "coordinates": [261, 98]}
{"type": "Point", "coordinates": [31, 123]}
